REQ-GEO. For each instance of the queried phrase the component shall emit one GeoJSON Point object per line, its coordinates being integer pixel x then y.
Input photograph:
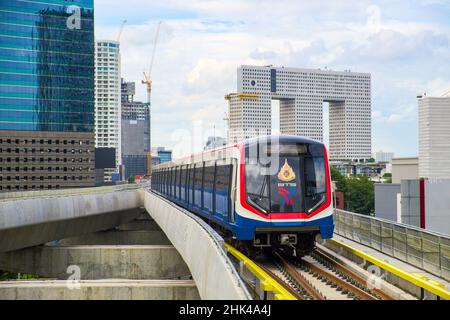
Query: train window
{"type": "Point", "coordinates": [179, 182]}
{"type": "Point", "coordinates": [315, 182]}
{"type": "Point", "coordinates": [286, 149]}
{"type": "Point", "coordinates": [157, 180]}
{"type": "Point", "coordinates": [191, 185]}
{"type": "Point", "coordinates": [222, 186]}
{"type": "Point", "coordinates": [175, 182]}
{"type": "Point", "coordinates": [172, 188]}
{"type": "Point", "coordinates": [257, 187]}
{"type": "Point", "coordinates": [208, 188]}
{"type": "Point", "coordinates": [166, 181]}
{"type": "Point", "coordinates": [185, 175]}
{"type": "Point", "coordinates": [182, 182]}
{"type": "Point", "coordinates": [168, 173]}
{"type": "Point", "coordinates": [198, 179]}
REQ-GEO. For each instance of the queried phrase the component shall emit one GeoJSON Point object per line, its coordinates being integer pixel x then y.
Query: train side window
{"type": "Point", "coordinates": [198, 177]}
{"type": "Point", "coordinates": [180, 173]}
{"type": "Point", "coordinates": [174, 175]}
{"type": "Point", "coordinates": [153, 183]}
{"type": "Point", "coordinates": [175, 179]}
{"type": "Point", "coordinates": [186, 185]}
{"type": "Point", "coordinates": [182, 183]}
{"type": "Point", "coordinates": [222, 187]}
{"type": "Point", "coordinates": [158, 181]}
{"type": "Point", "coordinates": [174, 182]}
{"type": "Point", "coordinates": [208, 188]}
{"type": "Point", "coordinates": [191, 184]}
{"type": "Point", "coordinates": [166, 178]}
{"type": "Point", "coordinates": [166, 182]}
{"type": "Point", "coordinates": [169, 182]}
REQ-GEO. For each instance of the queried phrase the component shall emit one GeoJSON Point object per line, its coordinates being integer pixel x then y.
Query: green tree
{"type": "Point", "coordinates": [359, 195]}
{"type": "Point", "coordinates": [340, 180]}
{"type": "Point", "coordinates": [387, 178]}
{"type": "Point", "coordinates": [131, 179]}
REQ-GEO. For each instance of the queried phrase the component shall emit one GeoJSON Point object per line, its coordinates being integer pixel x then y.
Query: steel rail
{"type": "Point", "coordinates": [300, 279]}
{"type": "Point", "coordinates": [347, 271]}
{"type": "Point", "coordinates": [338, 281]}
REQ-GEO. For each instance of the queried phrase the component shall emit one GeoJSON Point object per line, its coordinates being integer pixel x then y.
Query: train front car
{"type": "Point", "coordinates": [285, 194]}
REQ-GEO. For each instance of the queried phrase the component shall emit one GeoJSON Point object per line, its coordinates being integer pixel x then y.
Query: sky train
{"type": "Point", "coordinates": [263, 193]}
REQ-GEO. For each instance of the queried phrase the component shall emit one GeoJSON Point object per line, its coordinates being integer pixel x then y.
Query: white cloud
{"type": "Point", "coordinates": [202, 43]}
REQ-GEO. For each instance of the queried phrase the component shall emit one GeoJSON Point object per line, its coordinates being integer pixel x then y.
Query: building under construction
{"type": "Point", "coordinates": [135, 133]}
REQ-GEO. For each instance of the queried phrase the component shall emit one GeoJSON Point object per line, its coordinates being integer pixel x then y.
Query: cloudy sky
{"type": "Point", "coordinates": [403, 44]}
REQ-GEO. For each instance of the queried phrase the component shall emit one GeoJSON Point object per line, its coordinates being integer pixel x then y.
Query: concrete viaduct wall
{"type": "Point", "coordinates": [201, 249]}
{"type": "Point", "coordinates": [32, 221]}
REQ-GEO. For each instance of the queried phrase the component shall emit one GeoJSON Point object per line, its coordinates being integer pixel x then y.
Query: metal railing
{"type": "Point", "coordinates": [423, 249]}
{"type": "Point", "coordinates": [19, 195]}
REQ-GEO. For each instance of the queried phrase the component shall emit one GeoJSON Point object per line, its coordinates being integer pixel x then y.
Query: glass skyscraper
{"type": "Point", "coordinates": [46, 94]}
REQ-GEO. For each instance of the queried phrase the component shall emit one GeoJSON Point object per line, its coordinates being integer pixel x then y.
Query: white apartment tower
{"type": "Point", "coordinates": [434, 137]}
{"type": "Point", "coordinates": [107, 99]}
{"type": "Point", "coordinates": [302, 93]}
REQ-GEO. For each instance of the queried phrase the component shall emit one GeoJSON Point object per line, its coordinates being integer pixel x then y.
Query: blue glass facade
{"type": "Point", "coordinates": [165, 156]}
{"type": "Point", "coordinates": [47, 65]}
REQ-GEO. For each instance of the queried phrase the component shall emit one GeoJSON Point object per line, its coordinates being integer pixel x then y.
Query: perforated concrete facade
{"type": "Point", "coordinates": [302, 93]}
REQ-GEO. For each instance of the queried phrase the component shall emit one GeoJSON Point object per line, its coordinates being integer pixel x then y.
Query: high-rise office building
{"type": "Point", "coordinates": [381, 156]}
{"type": "Point", "coordinates": [302, 94]}
{"type": "Point", "coordinates": [135, 133]}
{"type": "Point", "coordinates": [108, 100]}
{"type": "Point", "coordinates": [434, 137]}
{"type": "Point", "coordinates": [46, 95]}
{"type": "Point", "coordinates": [162, 154]}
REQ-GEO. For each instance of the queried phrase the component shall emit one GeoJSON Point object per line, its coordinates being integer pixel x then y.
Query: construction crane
{"type": "Point", "coordinates": [121, 29]}
{"type": "Point", "coordinates": [148, 82]}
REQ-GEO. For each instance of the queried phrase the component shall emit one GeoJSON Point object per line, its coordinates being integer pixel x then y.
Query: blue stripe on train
{"type": "Point", "coordinates": [244, 228]}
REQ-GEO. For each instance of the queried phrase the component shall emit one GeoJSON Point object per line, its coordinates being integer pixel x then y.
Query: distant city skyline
{"type": "Point", "coordinates": [404, 45]}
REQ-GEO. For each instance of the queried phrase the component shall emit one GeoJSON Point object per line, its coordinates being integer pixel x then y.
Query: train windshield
{"type": "Point", "coordinates": [285, 178]}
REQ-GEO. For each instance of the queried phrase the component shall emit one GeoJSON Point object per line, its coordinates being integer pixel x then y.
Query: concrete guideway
{"type": "Point", "coordinates": [86, 270]}
{"type": "Point", "coordinates": [32, 221]}
{"type": "Point", "coordinates": [201, 248]}
{"type": "Point", "coordinates": [99, 290]}
{"type": "Point", "coordinates": [98, 262]}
